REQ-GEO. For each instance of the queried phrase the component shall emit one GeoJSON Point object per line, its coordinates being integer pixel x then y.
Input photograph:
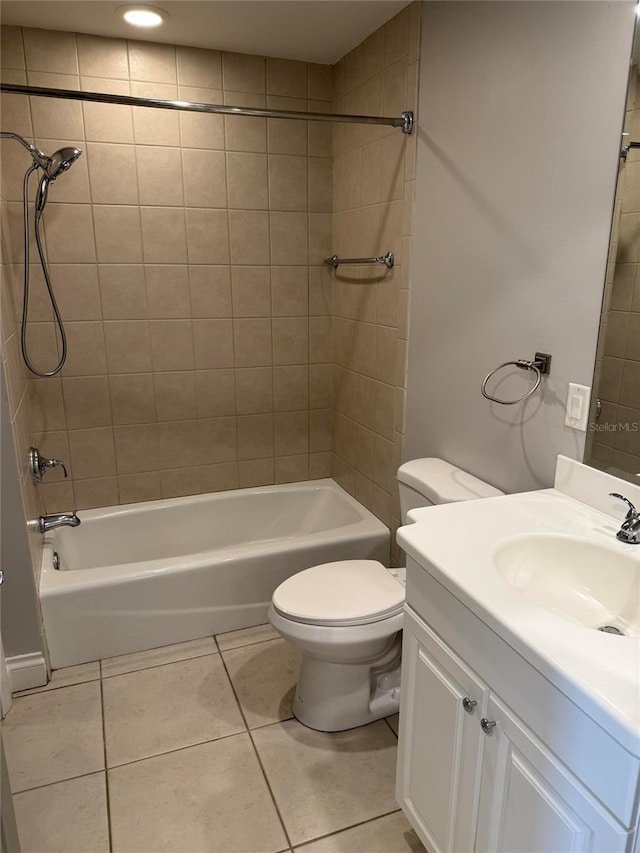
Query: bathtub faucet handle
{"type": "Point", "coordinates": [38, 465]}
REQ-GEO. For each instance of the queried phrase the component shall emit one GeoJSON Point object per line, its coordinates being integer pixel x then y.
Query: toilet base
{"type": "Point", "coordinates": [333, 697]}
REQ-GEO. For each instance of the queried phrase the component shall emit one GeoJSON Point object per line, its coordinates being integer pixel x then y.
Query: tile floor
{"type": "Point", "coordinates": [193, 748]}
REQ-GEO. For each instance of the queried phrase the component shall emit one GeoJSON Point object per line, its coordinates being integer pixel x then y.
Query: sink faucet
{"type": "Point", "coordinates": [50, 522]}
{"type": "Point", "coordinates": [630, 530]}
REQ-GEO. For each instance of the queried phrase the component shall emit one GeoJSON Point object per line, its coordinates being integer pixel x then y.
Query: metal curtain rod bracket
{"type": "Point", "coordinates": [404, 121]}
{"type": "Point", "coordinates": [541, 365]}
{"type": "Point", "coordinates": [625, 150]}
{"type": "Point", "coordinates": [388, 260]}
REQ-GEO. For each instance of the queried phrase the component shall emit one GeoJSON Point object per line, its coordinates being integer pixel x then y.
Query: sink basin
{"type": "Point", "coordinates": [587, 583]}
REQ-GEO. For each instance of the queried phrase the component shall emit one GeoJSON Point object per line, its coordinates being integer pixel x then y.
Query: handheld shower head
{"type": "Point", "coordinates": [60, 161]}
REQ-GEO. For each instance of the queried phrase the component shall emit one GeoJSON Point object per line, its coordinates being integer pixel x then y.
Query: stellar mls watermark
{"type": "Point", "coordinates": [618, 426]}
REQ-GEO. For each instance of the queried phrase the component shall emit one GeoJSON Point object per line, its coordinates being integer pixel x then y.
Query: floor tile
{"type": "Point", "coordinates": [157, 657]}
{"type": "Point", "coordinates": [245, 636]}
{"type": "Point", "coordinates": [211, 798]}
{"type": "Point", "coordinates": [264, 676]}
{"type": "Point", "coordinates": [68, 817]}
{"type": "Point", "coordinates": [168, 707]}
{"type": "Point", "coordinates": [393, 722]}
{"type": "Point", "coordinates": [389, 834]}
{"type": "Point", "coordinates": [326, 782]}
{"type": "Point", "coordinates": [53, 736]}
{"type": "Point", "coordinates": [67, 676]}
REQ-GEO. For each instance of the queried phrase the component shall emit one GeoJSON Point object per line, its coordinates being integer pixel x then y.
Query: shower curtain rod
{"type": "Point", "coordinates": [405, 121]}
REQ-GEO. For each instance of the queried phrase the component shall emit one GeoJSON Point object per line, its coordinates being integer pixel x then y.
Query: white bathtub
{"type": "Point", "coordinates": [149, 574]}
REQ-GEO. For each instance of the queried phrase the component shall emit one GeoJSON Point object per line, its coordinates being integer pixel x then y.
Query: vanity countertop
{"type": "Point", "coordinates": [456, 544]}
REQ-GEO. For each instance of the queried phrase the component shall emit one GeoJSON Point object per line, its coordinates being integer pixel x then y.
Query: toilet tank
{"type": "Point", "coordinates": [427, 482]}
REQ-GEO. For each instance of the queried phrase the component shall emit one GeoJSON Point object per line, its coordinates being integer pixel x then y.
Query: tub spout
{"type": "Point", "coordinates": [50, 522]}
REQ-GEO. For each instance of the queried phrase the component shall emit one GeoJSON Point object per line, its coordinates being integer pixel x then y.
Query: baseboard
{"type": "Point", "coordinates": [27, 671]}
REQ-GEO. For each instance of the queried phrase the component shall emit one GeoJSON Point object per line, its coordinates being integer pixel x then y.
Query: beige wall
{"type": "Point", "coordinates": [186, 253]}
{"type": "Point", "coordinates": [617, 377]}
{"type": "Point", "coordinates": [515, 178]}
{"type": "Point", "coordinates": [373, 175]}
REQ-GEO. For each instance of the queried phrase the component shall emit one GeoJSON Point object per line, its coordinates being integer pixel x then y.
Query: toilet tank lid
{"type": "Point", "coordinates": [443, 483]}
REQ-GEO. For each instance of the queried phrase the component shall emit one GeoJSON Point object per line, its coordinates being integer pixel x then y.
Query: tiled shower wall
{"type": "Point", "coordinates": [186, 252]}
{"type": "Point", "coordinates": [615, 443]}
{"type": "Point", "coordinates": [373, 173]}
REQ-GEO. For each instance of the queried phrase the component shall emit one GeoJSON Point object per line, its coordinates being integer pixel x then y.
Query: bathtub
{"type": "Point", "coordinates": [149, 574]}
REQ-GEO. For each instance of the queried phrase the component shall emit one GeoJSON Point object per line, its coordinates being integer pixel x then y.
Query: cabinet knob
{"type": "Point", "coordinates": [469, 705]}
{"type": "Point", "coordinates": [487, 725]}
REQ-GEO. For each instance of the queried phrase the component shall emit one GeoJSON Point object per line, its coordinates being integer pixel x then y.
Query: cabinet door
{"type": "Point", "coordinates": [530, 802]}
{"type": "Point", "coordinates": [440, 745]}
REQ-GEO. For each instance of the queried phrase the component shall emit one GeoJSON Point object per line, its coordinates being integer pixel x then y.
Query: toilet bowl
{"type": "Point", "coordinates": [346, 617]}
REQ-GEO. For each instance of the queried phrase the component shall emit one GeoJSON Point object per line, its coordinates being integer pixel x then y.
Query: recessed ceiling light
{"type": "Point", "coordinates": [143, 16]}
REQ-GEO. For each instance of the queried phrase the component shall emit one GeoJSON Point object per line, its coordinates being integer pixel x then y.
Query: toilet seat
{"type": "Point", "coordinates": [340, 594]}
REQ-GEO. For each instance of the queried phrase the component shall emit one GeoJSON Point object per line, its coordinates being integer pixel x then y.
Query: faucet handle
{"type": "Point", "coordinates": [632, 512]}
{"type": "Point", "coordinates": [38, 465]}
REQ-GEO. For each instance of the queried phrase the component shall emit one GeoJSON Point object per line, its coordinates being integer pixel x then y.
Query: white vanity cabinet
{"type": "Point", "coordinates": [472, 776]}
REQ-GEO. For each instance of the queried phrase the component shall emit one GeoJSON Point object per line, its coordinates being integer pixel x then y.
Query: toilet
{"type": "Point", "coordinates": [346, 617]}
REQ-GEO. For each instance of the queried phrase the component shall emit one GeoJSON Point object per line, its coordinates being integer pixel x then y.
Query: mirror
{"type": "Point", "coordinates": [613, 437]}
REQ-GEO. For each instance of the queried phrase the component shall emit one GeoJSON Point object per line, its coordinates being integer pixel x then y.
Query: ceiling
{"type": "Point", "coordinates": [311, 30]}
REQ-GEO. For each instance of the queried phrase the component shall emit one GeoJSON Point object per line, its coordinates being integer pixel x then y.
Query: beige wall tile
{"type": "Point", "coordinates": [287, 136]}
{"type": "Point", "coordinates": [319, 465]}
{"type": "Point", "coordinates": [47, 407]}
{"type": "Point", "coordinates": [92, 453]}
{"type": "Point", "coordinates": [198, 67]}
{"type": "Point", "coordinates": [247, 179]}
{"type": "Point", "coordinates": [172, 344]}
{"type": "Point", "coordinates": [168, 291]}
{"type": "Point", "coordinates": [319, 81]}
{"type": "Point", "coordinates": [257, 472]}
{"type": "Point", "coordinates": [86, 402]}
{"type": "Point", "coordinates": [198, 130]}
{"type": "Point", "coordinates": [69, 234]}
{"type": "Point", "coordinates": [213, 344]}
{"type": "Point", "coordinates": [139, 487]}
{"type": "Point", "coordinates": [99, 492]}
{"type": "Point", "coordinates": [76, 287]}
{"type": "Point", "coordinates": [290, 340]}
{"type": "Point", "coordinates": [291, 388]}
{"type": "Point", "coordinates": [217, 440]}
{"type": "Point", "coordinates": [396, 37]}
{"type": "Point", "coordinates": [289, 238]}
{"type": "Point", "coordinates": [102, 57]}
{"type": "Point", "coordinates": [254, 390]}
{"type": "Point", "coordinates": [179, 482]}
{"type": "Point", "coordinates": [289, 291]}
{"type": "Point", "coordinates": [204, 178]}
{"type": "Point", "coordinates": [107, 122]}
{"type": "Point", "coordinates": [319, 386]}
{"type": "Point", "coordinates": [128, 346]}
{"type": "Point", "coordinates": [136, 447]}
{"type": "Point", "coordinates": [255, 437]}
{"type": "Point", "coordinates": [215, 393]}
{"type": "Point", "coordinates": [155, 127]}
{"type": "Point", "coordinates": [207, 236]}
{"type": "Point", "coordinates": [251, 291]}
{"type": "Point", "coordinates": [55, 119]}
{"type": "Point", "coordinates": [292, 469]}
{"type": "Point", "coordinates": [243, 73]}
{"type": "Point", "coordinates": [160, 175]}
{"type": "Point", "coordinates": [175, 395]}
{"type": "Point", "coordinates": [164, 237]}
{"type": "Point", "coordinates": [210, 291]}
{"type": "Point", "coordinates": [122, 291]}
{"type": "Point", "coordinates": [218, 478]}
{"type": "Point", "coordinates": [288, 178]}
{"type": "Point", "coordinates": [132, 398]}
{"type": "Point", "coordinates": [118, 235]}
{"type": "Point", "coordinates": [50, 50]}
{"type": "Point", "coordinates": [112, 169]}
{"type": "Point", "coordinates": [249, 237]}
{"type": "Point", "coordinates": [287, 77]}
{"type": "Point", "coordinates": [252, 342]}
{"type": "Point", "coordinates": [291, 433]}
{"type": "Point", "coordinates": [242, 133]}
{"type": "Point", "coordinates": [178, 444]}
{"type": "Point", "coordinates": [86, 352]}
{"type": "Point", "coordinates": [11, 50]}
{"type": "Point", "coordinates": [152, 62]}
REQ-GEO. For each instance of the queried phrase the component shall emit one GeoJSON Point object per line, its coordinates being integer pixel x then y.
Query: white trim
{"type": "Point", "coordinates": [27, 671]}
{"type": "Point", "coordinates": [5, 684]}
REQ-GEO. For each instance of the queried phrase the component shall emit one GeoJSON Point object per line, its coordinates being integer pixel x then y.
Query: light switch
{"type": "Point", "coordinates": [577, 411]}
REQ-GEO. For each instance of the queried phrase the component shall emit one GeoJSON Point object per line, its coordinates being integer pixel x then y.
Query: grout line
{"type": "Point", "coordinates": [304, 844]}
{"type": "Point", "coordinates": [391, 727]}
{"type": "Point", "coordinates": [257, 754]}
{"type": "Point", "coordinates": [106, 774]}
{"type": "Point", "coordinates": [35, 691]}
{"type": "Point", "coordinates": [158, 665]}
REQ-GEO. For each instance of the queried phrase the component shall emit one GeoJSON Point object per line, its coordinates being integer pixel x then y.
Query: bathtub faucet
{"type": "Point", "coordinates": [50, 522]}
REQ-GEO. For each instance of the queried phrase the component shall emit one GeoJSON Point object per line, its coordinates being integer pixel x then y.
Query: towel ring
{"type": "Point", "coordinates": [541, 365]}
